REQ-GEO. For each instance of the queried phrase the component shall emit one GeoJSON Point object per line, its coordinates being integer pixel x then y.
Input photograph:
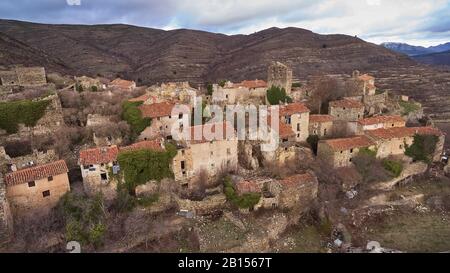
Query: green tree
{"type": "Point", "coordinates": [276, 95]}
{"type": "Point", "coordinates": [222, 83]}
{"type": "Point", "coordinates": [313, 141]}
{"type": "Point", "coordinates": [21, 112]}
{"type": "Point", "coordinates": [209, 89]}
{"type": "Point", "coordinates": [423, 148]}
{"type": "Point", "coordinates": [133, 116]}
{"type": "Point", "coordinates": [94, 88]}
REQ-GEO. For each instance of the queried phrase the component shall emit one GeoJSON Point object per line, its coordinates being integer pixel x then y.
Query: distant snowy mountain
{"type": "Point", "coordinates": [412, 50]}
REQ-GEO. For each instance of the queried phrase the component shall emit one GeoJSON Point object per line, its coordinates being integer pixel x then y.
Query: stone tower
{"type": "Point", "coordinates": [280, 75]}
{"type": "Point", "coordinates": [6, 223]}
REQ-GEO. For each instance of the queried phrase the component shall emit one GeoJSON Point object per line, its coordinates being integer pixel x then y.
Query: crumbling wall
{"type": "Point", "coordinates": [280, 75]}
{"type": "Point", "coordinates": [206, 206]}
{"type": "Point", "coordinates": [6, 220]}
{"type": "Point", "coordinates": [24, 76]}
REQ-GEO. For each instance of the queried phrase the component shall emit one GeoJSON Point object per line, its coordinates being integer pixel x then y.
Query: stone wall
{"type": "Point", "coordinates": [347, 114]}
{"type": "Point", "coordinates": [93, 182]}
{"type": "Point", "coordinates": [28, 201]}
{"type": "Point", "coordinates": [36, 158]}
{"type": "Point", "coordinates": [279, 75]}
{"type": "Point", "coordinates": [300, 196]}
{"type": "Point", "coordinates": [6, 220]}
{"type": "Point", "coordinates": [24, 76]}
{"type": "Point", "coordinates": [374, 104]}
{"type": "Point", "coordinates": [206, 206]}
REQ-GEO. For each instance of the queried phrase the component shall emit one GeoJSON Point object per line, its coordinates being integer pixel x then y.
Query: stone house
{"type": "Point", "coordinates": [367, 83]}
{"type": "Point", "coordinates": [346, 110]}
{"type": "Point", "coordinates": [321, 125]}
{"type": "Point", "coordinates": [162, 120]}
{"type": "Point", "coordinates": [6, 219]}
{"type": "Point", "coordinates": [24, 76]}
{"type": "Point", "coordinates": [36, 189]}
{"type": "Point", "coordinates": [123, 85]}
{"type": "Point", "coordinates": [340, 152]}
{"type": "Point", "coordinates": [279, 75]}
{"type": "Point", "coordinates": [98, 164]}
{"type": "Point", "coordinates": [240, 93]}
{"type": "Point", "coordinates": [12, 164]}
{"type": "Point", "coordinates": [203, 154]}
{"type": "Point", "coordinates": [378, 122]}
{"type": "Point", "coordinates": [297, 116]}
{"type": "Point", "coordinates": [393, 141]}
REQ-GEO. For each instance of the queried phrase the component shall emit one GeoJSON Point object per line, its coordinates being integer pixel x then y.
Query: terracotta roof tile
{"type": "Point", "coordinates": [244, 186]}
{"type": "Point", "coordinates": [36, 173]}
{"type": "Point", "coordinates": [284, 130]}
{"type": "Point", "coordinates": [321, 118]}
{"type": "Point", "coordinates": [347, 103]}
{"type": "Point", "coordinates": [293, 108]}
{"type": "Point", "coordinates": [401, 132]}
{"type": "Point", "coordinates": [343, 144]}
{"type": "Point", "coordinates": [101, 155]}
{"type": "Point", "coordinates": [380, 119]}
{"type": "Point", "coordinates": [251, 84]}
{"type": "Point", "coordinates": [154, 145]}
{"type": "Point", "coordinates": [297, 180]}
{"type": "Point", "coordinates": [156, 110]}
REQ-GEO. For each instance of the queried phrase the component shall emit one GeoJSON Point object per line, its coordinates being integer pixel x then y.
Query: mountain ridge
{"type": "Point", "coordinates": [150, 55]}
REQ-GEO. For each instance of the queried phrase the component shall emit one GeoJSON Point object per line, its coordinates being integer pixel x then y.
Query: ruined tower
{"type": "Point", "coordinates": [6, 223]}
{"type": "Point", "coordinates": [280, 75]}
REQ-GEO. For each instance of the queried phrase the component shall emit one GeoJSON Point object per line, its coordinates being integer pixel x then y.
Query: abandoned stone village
{"type": "Point", "coordinates": [94, 160]}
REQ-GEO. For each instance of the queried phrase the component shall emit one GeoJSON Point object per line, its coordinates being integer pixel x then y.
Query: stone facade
{"type": "Point", "coordinates": [162, 120]}
{"type": "Point", "coordinates": [297, 116]}
{"type": "Point", "coordinates": [36, 190]}
{"type": "Point", "coordinates": [346, 110]}
{"type": "Point", "coordinates": [340, 152]}
{"type": "Point", "coordinates": [6, 219]}
{"type": "Point", "coordinates": [393, 141]}
{"type": "Point", "coordinates": [298, 191]}
{"type": "Point", "coordinates": [321, 125]}
{"type": "Point", "coordinates": [246, 92]}
{"type": "Point", "coordinates": [90, 84]}
{"type": "Point", "coordinates": [194, 156]}
{"type": "Point", "coordinates": [280, 75]}
{"type": "Point", "coordinates": [24, 76]}
{"type": "Point", "coordinates": [379, 122]}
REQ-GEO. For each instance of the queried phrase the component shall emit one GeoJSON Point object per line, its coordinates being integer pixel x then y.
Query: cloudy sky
{"type": "Point", "coordinates": [421, 22]}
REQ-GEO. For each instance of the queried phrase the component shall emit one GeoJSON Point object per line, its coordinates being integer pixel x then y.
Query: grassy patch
{"type": "Point", "coordinates": [244, 201]}
{"type": "Point", "coordinates": [394, 167]}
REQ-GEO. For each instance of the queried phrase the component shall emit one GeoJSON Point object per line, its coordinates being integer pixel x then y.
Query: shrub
{"type": "Point", "coordinates": [275, 95]}
{"type": "Point", "coordinates": [369, 167]}
{"type": "Point", "coordinates": [423, 148]}
{"type": "Point", "coordinates": [21, 112]}
{"type": "Point", "coordinates": [133, 116]}
{"type": "Point", "coordinates": [84, 218]}
{"type": "Point", "coordinates": [209, 89]}
{"type": "Point", "coordinates": [313, 141]}
{"type": "Point", "coordinates": [222, 83]}
{"type": "Point", "coordinates": [394, 167]}
{"type": "Point", "coordinates": [296, 84]}
{"type": "Point", "coordinates": [245, 201]}
{"type": "Point", "coordinates": [94, 88]}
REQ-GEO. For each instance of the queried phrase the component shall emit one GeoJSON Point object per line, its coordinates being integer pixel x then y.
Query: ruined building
{"type": "Point", "coordinates": [6, 220]}
{"type": "Point", "coordinates": [23, 76]}
{"type": "Point", "coordinates": [280, 75]}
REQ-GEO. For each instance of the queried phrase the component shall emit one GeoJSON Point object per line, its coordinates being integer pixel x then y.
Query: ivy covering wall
{"type": "Point", "coordinates": [21, 112]}
{"type": "Point", "coordinates": [133, 116]}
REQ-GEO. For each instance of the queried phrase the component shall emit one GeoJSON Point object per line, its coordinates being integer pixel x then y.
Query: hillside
{"type": "Point", "coordinates": [441, 58]}
{"type": "Point", "coordinates": [152, 55]}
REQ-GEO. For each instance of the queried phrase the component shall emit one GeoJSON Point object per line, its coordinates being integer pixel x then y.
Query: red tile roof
{"type": "Point", "coordinates": [380, 119]}
{"type": "Point", "coordinates": [346, 103]}
{"type": "Point", "coordinates": [321, 118]}
{"type": "Point", "coordinates": [343, 144]}
{"type": "Point", "coordinates": [101, 155]}
{"type": "Point", "coordinates": [243, 187]}
{"type": "Point", "coordinates": [251, 84]}
{"type": "Point", "coordinates": [284, 130]}
{"type": "Point", "coordinates": [157, 110]}
{"type": "Point", "coordinates": [36, 173]}
{"type": "Point", "coordinates": [144, 97]}
{"type": "Point", "coordinates": [293, 108]}
{"type": "Point", "coordinates": [226, 127]}
{"type": "Point", "coordinates": [297, 180]}
{"type": "Point", "coordinates": [154, 145]}
{"type": "Point", "coordinates": [401, 132]}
